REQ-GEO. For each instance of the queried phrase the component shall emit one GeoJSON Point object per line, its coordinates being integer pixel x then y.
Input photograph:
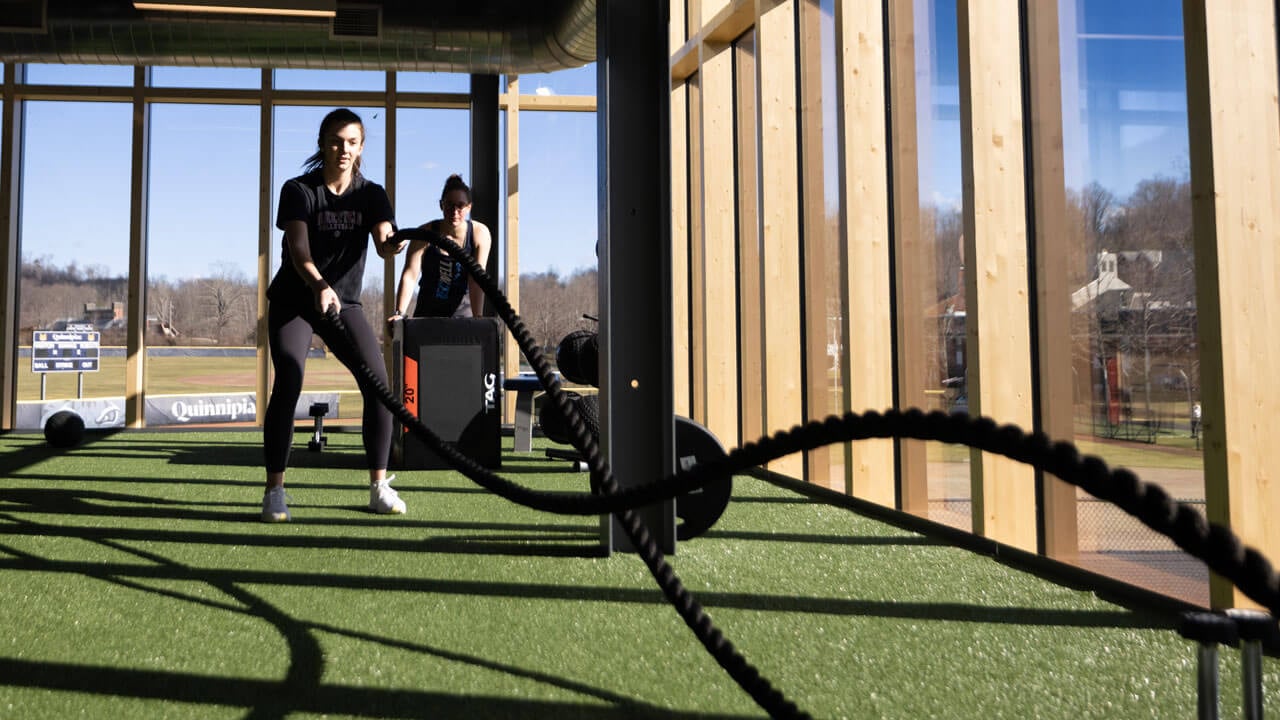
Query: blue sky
{"type": "Point", "coordinates": [204, 169]}
{"type": "Point", "coordinates": [1124, 101]}
{"type": "Point", "coordinates": [1124, 95]}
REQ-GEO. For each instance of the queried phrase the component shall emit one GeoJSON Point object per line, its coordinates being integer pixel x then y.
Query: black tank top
{"type": "Point", "coordinates": [442, 285]}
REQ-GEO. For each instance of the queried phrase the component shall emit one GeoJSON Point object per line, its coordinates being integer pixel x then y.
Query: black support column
{"type": "Point", "coordinates": [484, 165]}
{"type": "Point", "coordinates": [636, 411]}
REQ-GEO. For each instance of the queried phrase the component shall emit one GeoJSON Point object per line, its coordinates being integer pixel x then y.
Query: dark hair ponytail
{"type": "Point", "coordinates": [331, 123]}
{"type": "Point", "coordinates": [455, 183]}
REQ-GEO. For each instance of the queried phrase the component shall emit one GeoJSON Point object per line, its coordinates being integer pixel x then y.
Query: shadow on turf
{"type": "Point", "coordinates": [38, 450]}
{"type": "Point", "coordinates": [941, 611]}
{"type": "Point", "coordinates": [852, 540]}
{"type": "Point", "coordinates": [302, 689]}
{"type": "Point", "coordinates": [265, 700]}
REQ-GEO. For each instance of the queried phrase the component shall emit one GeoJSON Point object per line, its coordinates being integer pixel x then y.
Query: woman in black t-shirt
{"type": "Point", "coordinates": [444, 288]}
{"type": "Point", "coordinates": [327, 215]}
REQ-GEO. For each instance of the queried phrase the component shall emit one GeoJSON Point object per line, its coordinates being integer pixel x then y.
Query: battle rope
{"type": "Point", "coordinates": [1217, 546]}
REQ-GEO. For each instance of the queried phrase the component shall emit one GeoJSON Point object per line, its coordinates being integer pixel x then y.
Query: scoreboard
{"type": "Point", "coordinates": [64, 351]}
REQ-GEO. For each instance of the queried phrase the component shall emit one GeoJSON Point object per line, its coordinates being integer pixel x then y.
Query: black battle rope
{"type": "Point", "coordinates": [689, 609]}
{"type": "Point", "coordinates": [1217, 546]}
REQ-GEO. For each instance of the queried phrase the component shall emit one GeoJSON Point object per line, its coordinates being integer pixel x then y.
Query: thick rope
{"type": "Point", "coordinates": [1217, 546]}
{"type": "Point", "coordinates": [690, 610]}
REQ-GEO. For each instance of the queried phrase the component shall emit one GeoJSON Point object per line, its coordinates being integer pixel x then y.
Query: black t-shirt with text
{"type": "Point", "coordinates": [338, 228]}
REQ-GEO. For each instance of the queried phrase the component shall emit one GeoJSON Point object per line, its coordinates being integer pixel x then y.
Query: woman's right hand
{"type": "Point", "coordinates": [326, 298]}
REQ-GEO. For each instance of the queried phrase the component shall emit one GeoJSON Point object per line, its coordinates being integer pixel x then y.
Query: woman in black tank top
{"type": "Point", "coordinates": [444, 288]}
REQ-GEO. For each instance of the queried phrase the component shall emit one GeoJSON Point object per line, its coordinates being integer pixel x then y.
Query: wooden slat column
{"type": "Point", "coordinates": [914, 278]}
{"type": "Point", "coordinates": [135, 342]}
{"type": "Point", "coordinates": [1235, 179]}
{"type": "Point", "coordinates": [1055, 409]}
{"type": "Point", "coordinates": [779, 210]}
{"type": "Point", "coordinates": [511, 248]}
{"type": "Point", "coordinates": [10, 179]}
{"type": "Point", "coordinates": [680, 351]}
{"type": "Point", "coordinates": [867, 357]}
{"type": "Point", "coordinates": [697, 275]}
{"type": "Point", "coordinates": [716, 303]}
{"type": "Point", "coordinates": [266, 125]}
{"type": "Point", "coordinates": [750, 294]}
{"type": "Point", "coordinates": [996, 284]}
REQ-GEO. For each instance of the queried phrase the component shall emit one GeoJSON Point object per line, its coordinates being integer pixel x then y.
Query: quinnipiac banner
{"type": "Point", "coordinates": [166, 410]}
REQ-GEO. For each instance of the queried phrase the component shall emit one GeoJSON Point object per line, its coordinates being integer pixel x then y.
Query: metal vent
{"type": "Point", "coordinates": [22, 16]}
{"type": "Point", "coordinates": [361, 22]}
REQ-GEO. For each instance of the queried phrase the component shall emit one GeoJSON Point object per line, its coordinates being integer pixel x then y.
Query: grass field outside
{"type": "Point", "coordinates": [179, 375]}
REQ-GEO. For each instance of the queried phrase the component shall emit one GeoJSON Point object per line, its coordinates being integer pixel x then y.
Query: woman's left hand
{"type": "Point", "coordinates": [392, 246]}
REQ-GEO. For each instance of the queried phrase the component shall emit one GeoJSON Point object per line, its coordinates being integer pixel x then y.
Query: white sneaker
{"type": "Point", "coordinates": [273, 505]}
{"type": "Point", "coordinates": [384, 500]}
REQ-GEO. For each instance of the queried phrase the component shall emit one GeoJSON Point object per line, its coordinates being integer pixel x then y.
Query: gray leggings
{"type": "Point", "coordinates": [289, 332]}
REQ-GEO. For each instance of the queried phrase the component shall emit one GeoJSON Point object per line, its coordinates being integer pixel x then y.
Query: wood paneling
{"type": "Point", "coordinates": [1235, 179]}
{"type": "Point", "coordinates": [867, 356]}
{"type": "Point", "coordinates": [718, 298]}
{"type": "Point", "coordinates": [913, 271]}
{"type": "Point", "coordinates": [750, 294]}
{"type": "Point", "coordinates": [680, 249]}
{"type": "Point", "coordinates": [996, 285]}
{"type": "Point", "coordinates": [135, 355]}
{"type": "Point", "coordinates": [511, 248]}
{"type": "Point", "coordinates": [10, 149]}
{"type": "Point", "coordinates": [1053, 296]}
{"type": "Point", "coordinates": [779, 212]}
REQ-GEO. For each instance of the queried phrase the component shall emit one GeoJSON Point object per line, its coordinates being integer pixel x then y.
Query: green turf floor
{"type": "Point", "coordinates": [137, 582]}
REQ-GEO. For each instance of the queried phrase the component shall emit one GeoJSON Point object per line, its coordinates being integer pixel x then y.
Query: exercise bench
{"type": "Point", "coordinates": [525, 385]}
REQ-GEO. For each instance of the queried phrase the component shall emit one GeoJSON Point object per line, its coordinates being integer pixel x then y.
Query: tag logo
{"type": "Point", "coordinates": [490, 391]}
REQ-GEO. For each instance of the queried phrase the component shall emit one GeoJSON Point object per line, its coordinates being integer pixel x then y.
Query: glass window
{"type": "Point", "coordinates": [295, 139]}
{"type": "Point", "coordinates": [941, 257]}
{"type": "Point", "coordinates": [74, 249]}
{"type": "Point", "coordinates": [424, 160]}
{"type": "Point", "coordinates": [79, 74]}
{"type": "Point", "coordinates": [357, 80]}
{"type": "Point", "coordinates": [202, 286]}
{"type": "Point", "coordinates": [1132, 276]}
{"type": "Point", "coordinates": [189, 77]}
{"type": "Point", "coordinates": [558, 222]}
{"type": "Point", "coordinates": [433, 82]}
{"type": "Point", "coordinates": [573, 81]}
{"type": "Point", "coordinates": [558, 191]}
{"type": "Point", "coordinates": [834, 257]}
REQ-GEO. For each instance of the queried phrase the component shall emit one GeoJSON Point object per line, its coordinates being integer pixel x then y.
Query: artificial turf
{"type": "Point", "coordinates": [137, 582]}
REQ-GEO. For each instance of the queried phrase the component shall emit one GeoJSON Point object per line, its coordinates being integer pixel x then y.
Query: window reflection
{"type": "Point", "coordinates": [941, 260]}
{"type": "Point", "coordinates": [1135, 363]}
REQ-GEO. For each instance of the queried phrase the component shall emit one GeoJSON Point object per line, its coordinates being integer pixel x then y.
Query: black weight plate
{"type": "Point", "coordinates": [698, 510]}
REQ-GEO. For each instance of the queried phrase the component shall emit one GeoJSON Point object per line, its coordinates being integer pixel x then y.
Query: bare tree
{"type": "Point", "coordinates": [225, 293]}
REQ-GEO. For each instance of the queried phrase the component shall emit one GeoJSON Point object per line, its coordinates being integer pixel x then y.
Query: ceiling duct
{"type": "Point", "coordinates": [26, 16]}
{"type": "Point", "coordinates": [458, 36]}
{"type": "Point", "coordinates": [356, 22]}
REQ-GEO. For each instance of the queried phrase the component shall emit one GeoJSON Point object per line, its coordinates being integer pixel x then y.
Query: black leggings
{"type": "Point", "coordinates": [289, 332]}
